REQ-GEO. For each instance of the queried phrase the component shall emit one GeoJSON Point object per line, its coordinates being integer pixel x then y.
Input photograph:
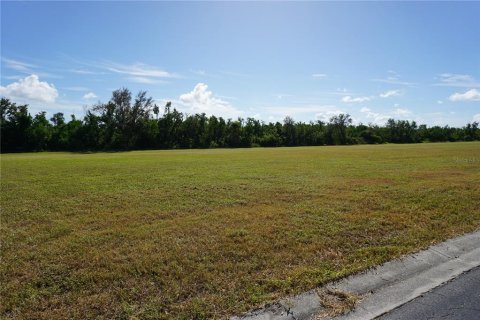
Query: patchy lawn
{"type": "Point", "coordinates": [211, 233]}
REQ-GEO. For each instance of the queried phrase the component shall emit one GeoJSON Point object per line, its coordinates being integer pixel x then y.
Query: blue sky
{"type": "Point", "coordinates": [374, 60]}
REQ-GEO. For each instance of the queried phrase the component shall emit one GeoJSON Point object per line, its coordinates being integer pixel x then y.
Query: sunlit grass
{"type": "Point", "coordinates": [211, 233]}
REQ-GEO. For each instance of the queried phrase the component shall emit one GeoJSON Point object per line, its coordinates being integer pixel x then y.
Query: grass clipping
{"type": "Point", "coordinates": [335, 302]}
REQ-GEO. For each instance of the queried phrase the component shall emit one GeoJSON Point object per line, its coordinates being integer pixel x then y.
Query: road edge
{"type": "Point", "coordinates": [385, 287]}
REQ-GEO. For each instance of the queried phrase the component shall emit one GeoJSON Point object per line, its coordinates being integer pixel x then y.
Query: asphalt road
{"type": "Point", "coordinates": [457, 299]}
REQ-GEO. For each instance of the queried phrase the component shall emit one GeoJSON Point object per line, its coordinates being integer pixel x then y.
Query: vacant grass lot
{"type": "Point", "coordinates": [210, 233]}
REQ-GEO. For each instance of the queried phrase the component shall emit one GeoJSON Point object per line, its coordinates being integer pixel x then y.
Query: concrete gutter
{"type": "Point", "coordinates": [386, 287]}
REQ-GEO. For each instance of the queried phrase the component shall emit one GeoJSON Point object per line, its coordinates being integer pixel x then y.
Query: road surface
{"type": "Point", "coordinates": [457, 299]}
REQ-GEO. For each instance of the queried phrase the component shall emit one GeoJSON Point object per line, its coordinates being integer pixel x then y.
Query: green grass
{"type": "Point", "coordinates": [211, 233]}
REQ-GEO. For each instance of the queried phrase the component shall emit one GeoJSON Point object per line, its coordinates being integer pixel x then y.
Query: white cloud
{"type": "Point", "coordinates": [350, 99]}
{"type": "Point", "coordinates": [327, 114]}
{"type": "Point", "coordinates": [390, 93]}
{"type": "Point", "coordinates": [476, 117]}
{"type": "Point", "coordinates": [457, 80]}
{"type": "Point", "coordinates": [201, 73]}
{"type": "Point", "coordinates": [30, 88]}
{"type": "Point", "coordinates": [439, 101]}
{"type": "Point", "coordinates": [68, 107]}
{"type": "Point", "coordinates": [375, 117]}
{"type": "Point", "coordinates": [470, 95]}
{"type": "Point", "coordinates": [90, 96]}
{"type": "Point", "coordinates": [201, 100]}
{"type": "Point", "coordinates": [303, 112]}
{"type": "Point", "coordinates": [401, 112]}
{"type": "Point", "coordinates": [381, 118]}
{"type": "Point", "coordinates": [319, 75]}
{"type": "Point", "coordinates": [370, 114]}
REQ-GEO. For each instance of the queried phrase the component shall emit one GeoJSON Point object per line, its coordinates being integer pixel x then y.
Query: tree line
{"type": "Point", "coordinates": [128, 123]}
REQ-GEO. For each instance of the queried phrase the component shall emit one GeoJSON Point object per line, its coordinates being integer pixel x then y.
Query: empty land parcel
{"type": "Point", "coordinates": [210, 233]}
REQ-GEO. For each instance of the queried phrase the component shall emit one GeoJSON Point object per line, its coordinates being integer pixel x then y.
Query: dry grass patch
{"type": "Point", "coordinates": [335, 302]}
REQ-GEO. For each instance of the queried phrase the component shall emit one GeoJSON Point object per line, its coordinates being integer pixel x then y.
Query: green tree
{"type": "Point", "coordinates": [60, 136]}
{"type": "Point", "coordinates": [289, 132]}
{"type": "Point", "coordinates": [15, 126]}
{"type": "Point", "coordinates": [338, 128]}
{"type": "Point", "coordinates": [123, 121]}
{"type": "Point", "coordinates": [40, 132]}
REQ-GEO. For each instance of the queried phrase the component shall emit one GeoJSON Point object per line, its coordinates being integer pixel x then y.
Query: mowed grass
{"type": "Point", "coordinates": [211, 233]}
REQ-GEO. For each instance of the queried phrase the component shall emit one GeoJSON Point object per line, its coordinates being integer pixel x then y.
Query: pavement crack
{"type": "Point", "coordinates": [441, 253]}
{"type": "Point", "coordinates": [290, 313]}
{"type": "Point", "coordinates": [444, 316]}
{"type": "Point", "coordinates": [287, 306]}
{"type": "Point", "coordinates": [438, 294]}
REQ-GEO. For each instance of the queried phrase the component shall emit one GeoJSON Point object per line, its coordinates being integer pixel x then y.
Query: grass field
{"type": "Point", "coordinates": [210, 233]}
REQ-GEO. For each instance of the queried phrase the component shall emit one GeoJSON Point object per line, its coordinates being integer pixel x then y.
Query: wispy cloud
{"type": "Point", "coordinates": [391, 80]}
{"type": "Point", "coordinates": [350, 99]}
{"type": "Point", "coordinates": [84, 72]}
{"type": "Point", "coordinates": [470, 95]}
{"type": "Point", "coordinates": [201, 73]}
{"type": "Point", "coordinates": [394, 78]}
{"type": "Point", "coordinates": [337, 92]}
{"type": "Point", "coordinates": [390, 93]}
{"type": "Point", "coordinates": [145, 80]}
{"type": "Point", "coordinates": [19, 65]}
{"type": "Point", "coordinates": [319, 75]}
{"type": "Point", "coordinates": [282, 96]}
{"type": "Point", "coordinates": [139, 70]}
{"type": "Point", "coordinates": [291, 111]}
{"type": "Point", "coordinates": [76, 88]}
{"type": "Point", "coordinates": [26, 68]}
{"type": "Point", "coordinates": [457, 80]}
{"type": "Point", "coordinates": [17, 77]}
{"type": "Point", "coordinates": [233, 74]}
{"type": "Point", "coordinates": [387, 94]}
